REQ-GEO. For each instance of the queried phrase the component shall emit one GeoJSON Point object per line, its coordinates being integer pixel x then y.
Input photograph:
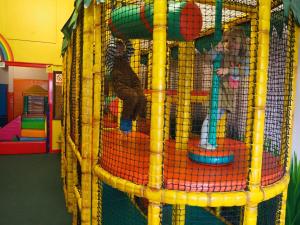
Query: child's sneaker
{"type": "Point", "coordinates": [126, 125]}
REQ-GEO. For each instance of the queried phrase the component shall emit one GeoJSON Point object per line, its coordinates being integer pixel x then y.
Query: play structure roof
{"type": "Point", "coordinates": [35, 90]}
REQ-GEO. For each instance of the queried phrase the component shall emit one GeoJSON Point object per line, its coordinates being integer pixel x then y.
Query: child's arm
{"type": "Point", "coordinates": [110, 53]}
{"type": "Point", "coordinates": [240, 70]}
{"type": "Point", "coordinates": [129, 49]}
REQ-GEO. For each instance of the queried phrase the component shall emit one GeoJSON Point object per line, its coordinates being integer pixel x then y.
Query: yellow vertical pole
{"type": "Point", "coordinates": [87, 114]}
{"type": "Point", "coordinates": [77, 115]}
{"type": "Point", "coordinates": [168, 100]}
{"type": "Point", "coordinates": [157, 110]}
{"type": "Point", "coordinates": [64, 144]}
{"type": "Point", "coordinates": [77, 84]}
{"type": "Point", "coordinates": [295, 53]}
{"type": "Point", "coordinates": [149, 64]}
{"type": "Point", "coordinates": [178, 215]}
{"type": "Point", "coordinates": [293, 93]}
{"type": "Point", "coordinates": [69, 153]}
{"type": "Point", "coordinates": [253, 57]}
{"type": "Point", "coordinates": [186, 70]}
{"type": "Point", "coordinates": [287, 111]}
{"type": "Point", "coordinates": [98, 101]}
{"type": "Point", "coordinates": [282, 214]}
{"type": "Point", "coordinates": [264, 15]}
{"type": "Point", "coordinates": [135, 64]}
{"type": "Point", "coordinates": [120, 109]}
{"type": "Point", "coordinates": [149, 78]}
{"type": "Point", "coordinates": [135, 58]}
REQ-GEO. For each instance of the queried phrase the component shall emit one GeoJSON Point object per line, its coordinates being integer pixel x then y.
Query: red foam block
{"type": "Point", "coordinates": [13, 148]}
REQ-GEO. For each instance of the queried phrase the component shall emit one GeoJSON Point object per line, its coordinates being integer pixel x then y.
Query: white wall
{"type": "Point", "coordinates": [25, 73]}
{"type": "Point", "coordinates": [3, 76]}
{"type": "Point", "coordinates": [296, 129]}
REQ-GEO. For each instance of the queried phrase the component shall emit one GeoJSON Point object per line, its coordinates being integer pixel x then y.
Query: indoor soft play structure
{"type": "Point", "coordinates": [220, 69]}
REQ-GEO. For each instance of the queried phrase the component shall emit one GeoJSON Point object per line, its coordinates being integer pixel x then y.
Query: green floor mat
{"type": "Point", "coordinates": [31, 190]}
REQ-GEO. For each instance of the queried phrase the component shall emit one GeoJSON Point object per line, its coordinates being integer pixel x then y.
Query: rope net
{"type": "Point", "coordinates": [276, 134]}
{"type": "Point", "coordinates": [121, 208]}
{"type": "Point", "coordinates": [268, 211]}
{"type": "Point", "coordinates": [72, 171]}
{"type": "Point", "coordinates": [208, 90]}
{"type": "Point", "coordinates": [198, 124]}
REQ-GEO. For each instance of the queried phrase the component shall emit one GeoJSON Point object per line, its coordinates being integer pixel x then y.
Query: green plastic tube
{"type": "Point", "coordinates": [136, 21]}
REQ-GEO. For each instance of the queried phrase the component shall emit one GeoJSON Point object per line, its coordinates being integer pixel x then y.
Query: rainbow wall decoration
{"type": "Point", "coordinates": [6, 53]}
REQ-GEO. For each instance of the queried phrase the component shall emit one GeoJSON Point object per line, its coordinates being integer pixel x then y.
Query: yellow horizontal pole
{"type": "Point", "coordinates": [74, 149]}
{"type": "Point", "coordinates": [78, 197]}
{"type": "Point", "coordinates": [174, 99]}
{"type": "Point", "coordinates": [51, 68]}
{"type": "Point", "coordinates": [109, 128]}
{"type": "Point", "coordinates": [201, 199]}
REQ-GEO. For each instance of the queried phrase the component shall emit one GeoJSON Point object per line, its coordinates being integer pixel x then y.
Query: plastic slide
{"type": "Point", "coordinates": [11, 130]}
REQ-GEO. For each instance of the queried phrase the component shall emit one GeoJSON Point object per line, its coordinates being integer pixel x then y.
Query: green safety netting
{"type": "Point", "coordinates": [294, 7]}
{"type": "Point", "coordinates": [71, 23]}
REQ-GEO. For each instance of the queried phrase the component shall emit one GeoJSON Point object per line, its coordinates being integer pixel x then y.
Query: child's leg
{"type": "Point", "coordinates": [205, 129]}
{"type": "Point", "coordinates": [129, 105]}
{"type": "Point", "coordinates": [140, 109]}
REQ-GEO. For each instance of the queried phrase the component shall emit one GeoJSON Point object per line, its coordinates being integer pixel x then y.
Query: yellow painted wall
{"type": "Point", "coordinates": [56, 135]}
{"type": "Point", "coordinates": [32, 28]}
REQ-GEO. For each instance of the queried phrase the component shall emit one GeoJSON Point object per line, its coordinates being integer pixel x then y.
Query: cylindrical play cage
{"type": "Point", "coordinates": [214, 147]}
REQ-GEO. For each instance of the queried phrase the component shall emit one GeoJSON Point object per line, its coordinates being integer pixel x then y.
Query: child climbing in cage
{"type": "Point", "coordinates": [232, 48]}
{"type": "Point", "coordinates": [125, 82]}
